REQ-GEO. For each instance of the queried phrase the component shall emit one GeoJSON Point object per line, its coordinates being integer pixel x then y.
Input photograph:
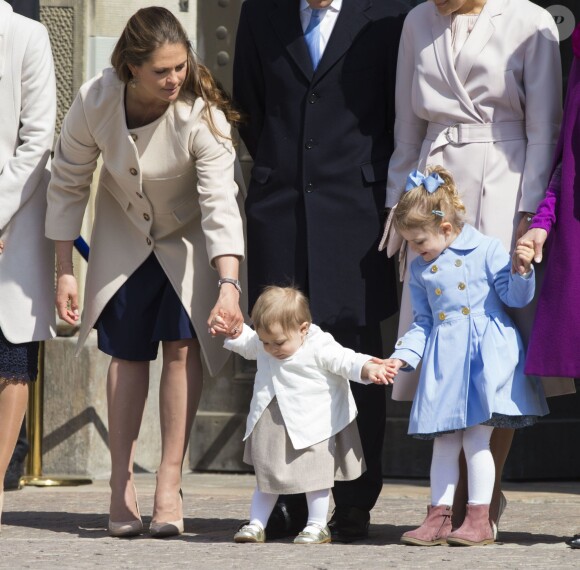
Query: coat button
{"type": "Point", "coordinates": [458, 263]}
{"type": "Point", "coordinates": [310, 143]}
{"type": "Point", "coordinates": [309, 187]}
{"type": "Point", "coordinates": [313, 98]}
{"type": "Point", "coordinates": [434, 269]}
{"type": "Point", "coordinates": [146, 217]}
{"type": "Point", "coordinates": [441, 316]}
{"type": "Point", "coordinates": [148, 241]}
{"type": "Point", "coordinates": [399, 343]}
{"type": "Point", "coordinates": [133, 171]}
{"type": "Point", "coordinates": [139, 194]}
{"type": "Point", "coordinates": [465, 310]}
{"type": "Point", "coordinates": [438, 291]}
{"type": "Point", "coordinates": [134, 136]}
{"type": "Point", "coordinates": [461, 286]}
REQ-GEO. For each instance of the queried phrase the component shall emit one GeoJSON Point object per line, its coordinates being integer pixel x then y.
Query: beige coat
{"type": "Point", "coordinates": [27, 117]}
{"type": "Point", "coordinates": [491, 117]}
{"type": "Point", "coordinates": [190, 215]}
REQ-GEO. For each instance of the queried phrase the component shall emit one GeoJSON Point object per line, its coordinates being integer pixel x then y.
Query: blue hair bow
{"type": "Point", "coordinates": [430, 183]}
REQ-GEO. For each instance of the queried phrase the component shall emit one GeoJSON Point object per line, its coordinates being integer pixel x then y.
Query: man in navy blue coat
{"type": "Point", "coordinates": [320, 135]}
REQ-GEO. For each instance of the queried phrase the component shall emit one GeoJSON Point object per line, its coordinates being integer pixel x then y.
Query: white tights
{"type": "Point", "coordinates": [263, 504]}
{"type": "Point", "coordinates": [480, 466]}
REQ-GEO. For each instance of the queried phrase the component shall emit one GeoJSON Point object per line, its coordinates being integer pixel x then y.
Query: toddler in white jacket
{"type": "Point", "coordinates": [301, 432]}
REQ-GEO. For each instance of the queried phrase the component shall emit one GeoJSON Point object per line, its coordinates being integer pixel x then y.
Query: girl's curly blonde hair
{"type": "Point", "coordinates": [419, 208]}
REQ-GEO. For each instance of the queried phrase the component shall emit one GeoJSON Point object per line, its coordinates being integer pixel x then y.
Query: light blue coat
{"type": "Point", "coordinates": [472, 352]}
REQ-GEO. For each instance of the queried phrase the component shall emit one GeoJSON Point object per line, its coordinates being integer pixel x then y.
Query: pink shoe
{"type": "Point", "coordinates": [434, 530]}
{"type": "Point", "coordinates": [476, 529]}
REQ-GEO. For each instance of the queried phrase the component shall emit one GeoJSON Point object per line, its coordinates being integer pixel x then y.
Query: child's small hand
{"type": "Point", "coordinates": [523, 256]}
{"type": "Point", "coordinates": [377, 373]}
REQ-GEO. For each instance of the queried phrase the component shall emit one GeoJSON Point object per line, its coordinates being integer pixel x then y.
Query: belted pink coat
{"type": "Point", "coordinates": [491, 118]}
{"type": "Point", "coordinates": [192, 217]}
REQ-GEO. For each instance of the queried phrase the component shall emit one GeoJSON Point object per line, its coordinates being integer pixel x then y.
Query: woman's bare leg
{"type": "Point", "coordinates": [179, 395]}
{"type": "Point", "coordinates": [127, 388]}
{"type": "Point", "coordinates": [13, 402]}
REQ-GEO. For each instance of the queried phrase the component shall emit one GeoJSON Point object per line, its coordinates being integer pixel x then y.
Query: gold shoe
{"type": "Point", "coordinates": [1, 507]}
{"type": "Point", "coordinates": [250, 533]}
{"type": "Point", "coordinates": [322, 536]}
{"type": "Point", "coordinates": [166, 529]}
{"type": "Point", "coordinates": [502, 506]}
{"type": "Point", "coordinates": [128, 528]}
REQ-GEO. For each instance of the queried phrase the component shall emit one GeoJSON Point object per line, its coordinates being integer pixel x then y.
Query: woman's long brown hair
{"type": "Point", "coordinates": [149, 29]}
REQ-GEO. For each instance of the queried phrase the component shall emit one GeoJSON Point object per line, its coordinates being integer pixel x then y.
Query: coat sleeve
{"type": "Point", "coordinates": [245, 345]}
{"type": "Point", "coordinates": [23, 172]}
{"type": "Point", "coordinates": [214, 156]}
{"type": "Point", "coordinates": [335, 358]}
{"type": "Point", "coordinates": [75, 160]}
{"type": "Point", "coordinates": [248, 84]}
{"type": "Point", "coordinates": [410, 130]}
{"type": "Point", "coordinates": [543, 110]}
{"type": "Point", "coordinates": [411, 345]}
{"type": "Point", "coordinates": [513, 289]}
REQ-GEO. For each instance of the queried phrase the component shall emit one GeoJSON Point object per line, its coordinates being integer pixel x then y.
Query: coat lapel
{"type": "Point", "coordinates": [285, 19]}
{"type": "Point", "coordinates": [351, 20]}
{"type": "Point", "coordinates": [441, 30]}
{"type": "Point", "coordinates": [482, 32]}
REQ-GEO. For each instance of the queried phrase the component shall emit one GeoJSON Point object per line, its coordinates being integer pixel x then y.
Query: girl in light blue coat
{"type": "Point", "coordinates": [472, 377]}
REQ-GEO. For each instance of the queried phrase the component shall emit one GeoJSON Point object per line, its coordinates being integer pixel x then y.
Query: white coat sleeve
{"type": "Point", "coordinates": [246, 345]}
{"type": "Point", "coordinates": [410, 130]}
{"type": "Point", "coordinates": [335, 358]}
{"type": "Point", "coordinates": [214, 157]}
{"type": "Point", "coordinates": [23, 172]}
{"type": "Point", "coordinates": [543, 109]}
{"type": "Point", "coordinates": [75, 160]}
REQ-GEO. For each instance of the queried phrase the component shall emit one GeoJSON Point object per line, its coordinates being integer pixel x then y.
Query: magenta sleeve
{"type": "Point", "coordinates": [546, 212]}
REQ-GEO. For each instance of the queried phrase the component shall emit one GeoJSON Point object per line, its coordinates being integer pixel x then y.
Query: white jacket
{"type": "Point", "coordinates": [311, 385]}
{"type": "Point", "coordinates": [27, 117]}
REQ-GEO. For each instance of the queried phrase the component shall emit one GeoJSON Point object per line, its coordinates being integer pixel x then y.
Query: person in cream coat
{"type": "Point", "coordinates": [479, 92]}
{"type": "Point", "coordinates": [28, 113]}
{"type": "Point", "coordinates": [167, 233]}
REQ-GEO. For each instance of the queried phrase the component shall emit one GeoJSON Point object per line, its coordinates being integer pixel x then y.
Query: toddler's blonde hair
{"type": "Point", "coordinates": [418, 208]}
{"type": "Point", "coordinates": [286, 306]}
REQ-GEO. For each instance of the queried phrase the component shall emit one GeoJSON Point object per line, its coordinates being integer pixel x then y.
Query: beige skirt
{"type": "Point", "coordinates": [281, 469]}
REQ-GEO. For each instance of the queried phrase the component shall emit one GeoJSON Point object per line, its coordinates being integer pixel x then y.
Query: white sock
{"type": "Point", "coordinates": [445, 467]}
{"type": "Point", "coordinates": [480, 464]}
{"type": "Point", "coordinates": [318, 503]}
{"type": "Point", "coordinates": [262, 506]}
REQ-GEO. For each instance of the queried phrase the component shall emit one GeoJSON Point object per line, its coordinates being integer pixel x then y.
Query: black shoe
{"type": "Point", "coordinates": [349, 524]}
{"type": "Point", "coordinates": [13, 473]}
{"type": "Point", "coordinates": [288, 518]}
{"type": "Point", "coordinates": [574, 542]}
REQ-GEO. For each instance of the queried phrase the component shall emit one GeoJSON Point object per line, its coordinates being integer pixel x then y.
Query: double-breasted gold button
{"type": "Point", "coordinates": [458, 263]}
{"type": "Point", "coordinates": [441, 316]}
{"type": "Point", "coordinates": [148, 241]}
{"type": "Point", "coordinates": [461, 286]}
{"type": "Point", "coordinates": [134, 136]}
{"type": "Point", "coordinates": [133, 171]}
{"type": "Point", "coordinates": [146, 217]}
{"type": "Point", "coordinates": [438, 291]}
{"type": "Point", "coordinates": [399, 343]}
{"type": "Point", "coordinates": [465, 310]}
{"type": "Point", "coordinates": [434, 269]}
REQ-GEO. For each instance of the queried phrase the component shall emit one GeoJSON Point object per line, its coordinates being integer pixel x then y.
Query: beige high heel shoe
{"type": "Point", "coordinates": [166, 529]}
{"type": "Point", "coordinates": [1, 506]}
{"type": "Point", "coordinates": [127, 529]}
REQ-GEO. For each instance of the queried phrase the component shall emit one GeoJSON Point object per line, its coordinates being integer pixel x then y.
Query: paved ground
{"type": "Point", "coordinates": [65, 527]}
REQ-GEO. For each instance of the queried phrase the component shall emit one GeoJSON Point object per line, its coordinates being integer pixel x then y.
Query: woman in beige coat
{"type": "Point", "coordinates": [28, 112]}
{"type": "Point", "coordinates": [167, 217]}
{"type": "Point", "coordinates": [479, 92]}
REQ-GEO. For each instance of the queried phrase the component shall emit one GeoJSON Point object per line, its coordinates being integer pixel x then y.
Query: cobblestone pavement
{"type": "Point", "coordinates": [65, 527]}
